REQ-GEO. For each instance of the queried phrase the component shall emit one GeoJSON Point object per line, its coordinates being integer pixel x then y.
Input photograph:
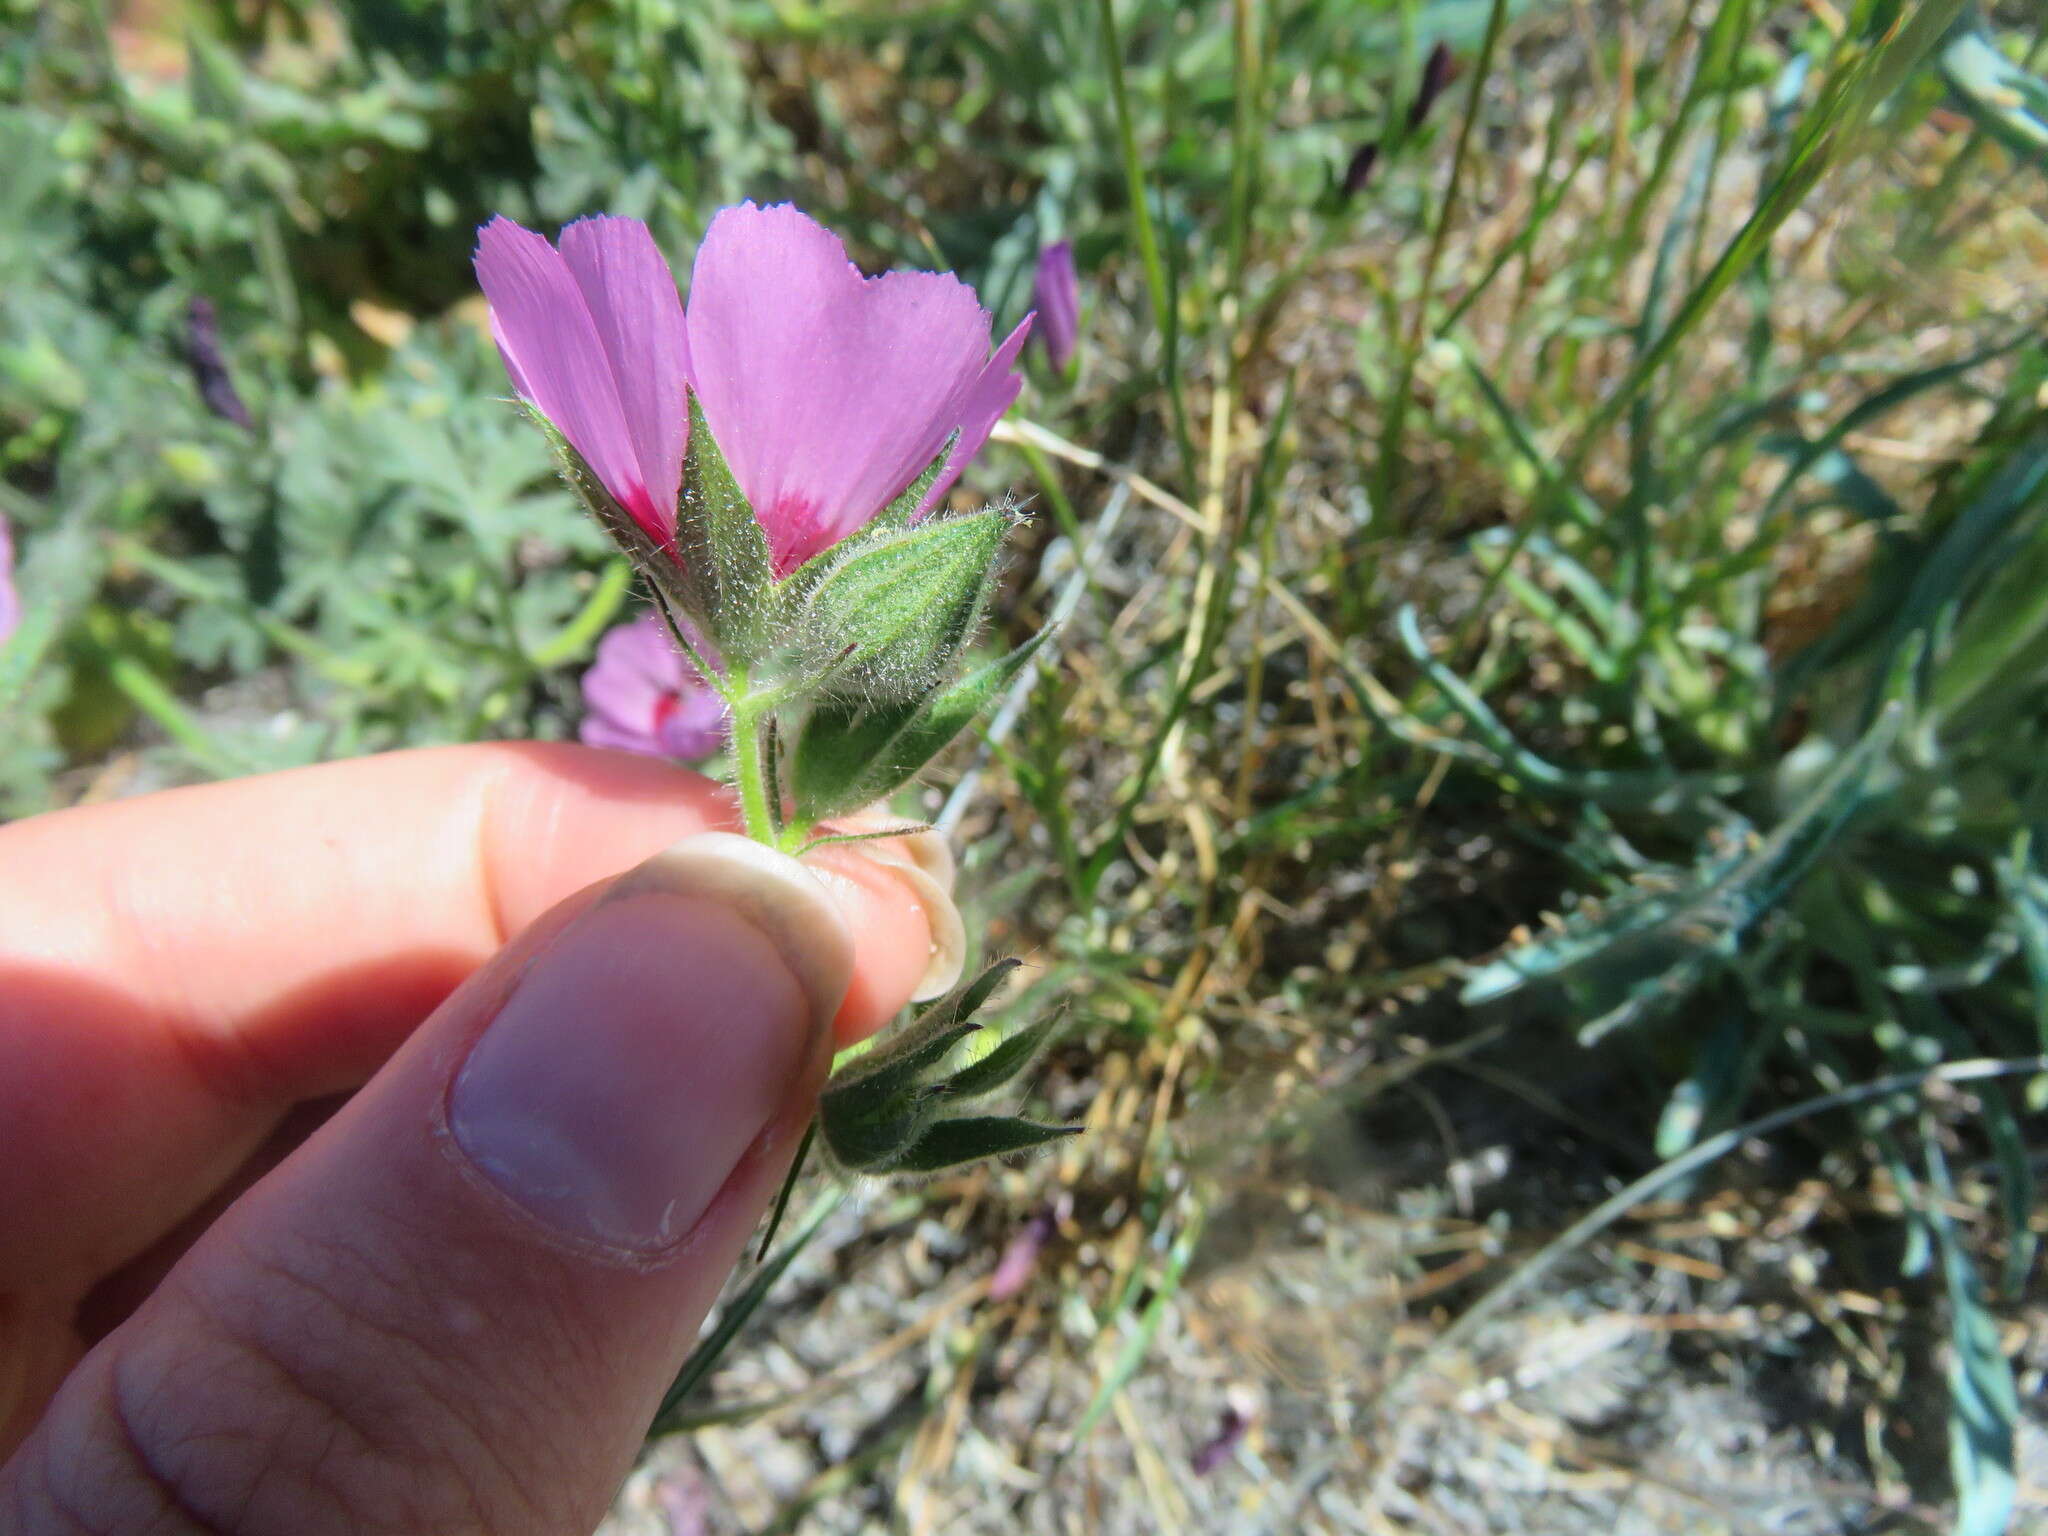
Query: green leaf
{"type": "Point", "coordinates": [216, 79]}
{"type": "Point", "coordinates": [1012, 1056]}
{"type": "Point", "coordinates": [1622, 963]}
{"type": "Point", "coordinates": [723, 547]}
{"type": "Point", "coordinates": [712, 1347]}
{"type": "Point", "coordinates": [1983, 1402]}
{"type": "Point", "coordinates": [949, 1143]}
{"type": "Point", "coordinates": [2006, 101]}
{"type": "Point", "coordinates": [59, 574]}
{"type": "Point", "coordinates": [889, 620]}
{"type": "Point", "coordinates": [1138, 1341]}
{"type": "Point", "coordinates": [849, 757]}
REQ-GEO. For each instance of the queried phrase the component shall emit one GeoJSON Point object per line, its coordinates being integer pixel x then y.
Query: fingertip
{"type": "Point", "coordinates": [908, 939]}
{"type": "Point", "coordinates": [807, 925]}
{"type": "Point", "coordinates": [558, 816]}
{"type": "Point", "coordinates": [866, 926]}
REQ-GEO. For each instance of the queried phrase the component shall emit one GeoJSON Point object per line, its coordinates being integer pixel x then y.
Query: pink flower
{"type": "Point", "coordinates": [1056, 296]}
{"type": "Point", "coordinates": [828, 392]}
{"type": "Point", "coordinates": [645, 696]}
{"type": "Point", "coordinates": [10, 601]}
{"type": "Point", "coordinates": [593, 336]}
{"type": "Point", "coordinates": [1020, 1255]}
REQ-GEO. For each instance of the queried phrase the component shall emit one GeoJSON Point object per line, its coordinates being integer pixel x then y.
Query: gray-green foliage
{"type": "Point", "coordinates": [394, 557]}
{"type": "Point", "coordinates": [2007, 99]}
{"type": "Point", "coordinates": [383, 560]}
{"type": "Point", "coordinates": [1826, 858]}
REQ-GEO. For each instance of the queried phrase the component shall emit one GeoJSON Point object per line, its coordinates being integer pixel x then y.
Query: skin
{"type": "Point", "coordinates": [190, 984]}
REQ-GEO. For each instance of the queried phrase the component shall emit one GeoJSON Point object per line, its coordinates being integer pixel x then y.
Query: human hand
{"type": "Point", "coordinates": [451, 1303]}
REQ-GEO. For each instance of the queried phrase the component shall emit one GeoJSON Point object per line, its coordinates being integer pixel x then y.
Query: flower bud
{"type": "Point", "coordinates": [1056, 295]}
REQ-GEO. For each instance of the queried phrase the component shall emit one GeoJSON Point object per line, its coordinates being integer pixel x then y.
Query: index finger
{"type": "Point", "coordinates": [177, 970]}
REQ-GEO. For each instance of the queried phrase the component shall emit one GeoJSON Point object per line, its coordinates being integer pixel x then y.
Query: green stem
{"type": "Point", "coordinates": [147, 693]}
{"type": "Point", "coordinates": [796, 1168]}
{"type": "Point", "coordinates": [1387, 481]}
{"type": "Point", "coordinates": [581, 632]}
{"type": "Point", "coordinates": [757, 813]}
{"type": "Point", "coordinates": [1156, 284]}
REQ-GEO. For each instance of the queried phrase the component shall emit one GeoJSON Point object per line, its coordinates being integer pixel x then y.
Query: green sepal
{"type": "Point", "coordinates": [891, 617]}
{"type": "Point", "coordinates": [724, 550]}
{"type": "Point", "coordinates": [900, 512]}
{"type": "Point", "coordinates": [897, 1063]}
{"type": "Point", "coordinates": [1013, 1055]}
{"type": "Point", "coordinates": [950, 1143]}
{"type": "Point", "coordinates": [866, 1093]}
{"type": "Point", "coordinates": [657, 566]}
{"type": "Point", "coordinates": [963, 1003]}
{"type": "Point", "coordinates": [848, 757]}
{"type": "Point", "coordinates": [865, 1142]}
{"type": "Point", "coordinates": [895, 1074]}
{"type": "Point", "coordinates": [881, 1114]}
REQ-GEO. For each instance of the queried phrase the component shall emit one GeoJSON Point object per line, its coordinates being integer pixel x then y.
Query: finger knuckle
{"type": "Point", "coordinates": [296, 1399]}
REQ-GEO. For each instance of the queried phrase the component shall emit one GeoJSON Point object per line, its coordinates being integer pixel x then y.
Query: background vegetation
{"type": "Point", "coordinates": [1535, 811]}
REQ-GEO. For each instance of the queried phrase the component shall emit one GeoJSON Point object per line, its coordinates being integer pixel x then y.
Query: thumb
{"type": "Point", "coordinates": [455, 1308]}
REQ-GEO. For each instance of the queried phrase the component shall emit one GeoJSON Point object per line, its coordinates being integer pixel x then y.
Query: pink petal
{"type": "Point", "coordinates": [644, 696]}
{"type": "Point", "coordinates": [636, 664]}
{"type": "Point", "coordinates": [557, 359]}
{"type": "Point", "coordinates": [632, 298]}
{"type": "Point", "coordinates": [1056, 295]}
{"type": "Point", "coordinates": [603, 731]}
{"type": "Point", "coordinates": [694, 725]}
{"type": "Point", "coordinates": [828, 392]}
{"type": "Point", "coordinates": [993, 393]}
{"type": "Point", "coordinates": [10, 600]}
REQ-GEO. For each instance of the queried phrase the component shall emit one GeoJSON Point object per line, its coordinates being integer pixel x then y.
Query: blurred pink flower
{"type": "Point", "coordinates": [828, 392]}
{"type": "Point", "coordinates": [10, 601]}
{"type": "Point", "coordinates": [1229, 1431]}
{"type": "Point", "coordinates": [1020, 1255]}
{"type": "Point", "coordinates": [645, 696]}
{"type": "Point", "coordinates": [1056, 297]}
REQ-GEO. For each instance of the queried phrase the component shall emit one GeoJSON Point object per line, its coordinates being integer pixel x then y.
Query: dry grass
{"type": "Point", "coordinates": [1362, 1159]}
